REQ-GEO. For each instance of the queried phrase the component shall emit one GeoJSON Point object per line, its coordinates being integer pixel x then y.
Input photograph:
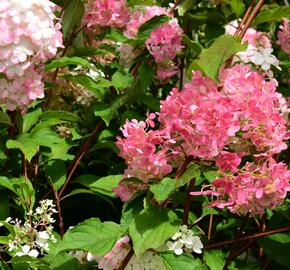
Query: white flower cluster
{"type": "Point", "coordinates": [259, 56]}
{"type": "Point", "coordinates": [185, 241]}
{"type": "Point", "coordinates": [32, 236]}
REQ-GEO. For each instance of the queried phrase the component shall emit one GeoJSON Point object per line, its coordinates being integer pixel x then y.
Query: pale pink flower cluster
{"type": "Point", "coordinates": [284, 36]}
{"type": "Point", "coordinates": [106, 13]}
{"type": "Point", "coordinates": [255, 188]}
{"type": "Point", "coordinates": [165, 41]}
{"type": "Point", "coordinates": [28, 37]}
{"type": "Point", "coordinates": [201, 121]}
{"type": "Point", "coordinates": [114, 257]}
{"type": "Point", "coordinates": [22, 91]}
{"type": "Point", "coordinates": [259, 50]}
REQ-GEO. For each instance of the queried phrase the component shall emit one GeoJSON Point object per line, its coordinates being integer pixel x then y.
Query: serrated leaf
{"type": "Point", "coordinates": [215, 259]}
{"type": "Point", "coordinates": [92, 236]}
{"type": "Point", "coordinates": [103, 185]}
{"type": "Point", "coordinates": [183, 261]}
{"type": "Point", "coordinates": [25, 144]}
{"type": "Point", "coordinates": [211, 59]}
{"type": "Point", "coordinates": [163, 189]}
{"type": "Point", "coordinates": [67, 61]}
{"type": "Point", "coordinates": [30, 119]}
{"type": "Point", "coordinates": [152, 227]}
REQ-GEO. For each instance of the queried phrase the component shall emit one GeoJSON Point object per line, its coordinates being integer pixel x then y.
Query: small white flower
{"type": "Point", "coordinates": [197, 245]}
{"type": "Point", "coordinates": [26, 251]}
{"type": "Point", "coordinates": [175, 246]}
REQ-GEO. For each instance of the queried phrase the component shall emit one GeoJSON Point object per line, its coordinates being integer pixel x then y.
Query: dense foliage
{"type": "Point", "coordinates": [144, 134]}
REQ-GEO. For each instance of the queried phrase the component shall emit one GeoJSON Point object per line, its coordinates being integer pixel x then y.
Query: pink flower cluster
{"type": "Point", "coordinates": [106, 13]}
{"type": "Point", "coordinates": [284, 36]}
{"type": "Point", "coordinates": [255, 188]}
{"type": "Point", "coordinates": [113, 258]}
{"type": "Point", "coordinates": [201, 121]}
{"type": "Point", "coordinates": [28, 37]}
{"type": "Point", "coordinates": [164, 42]}
{"type": "Point", "coordinates": [22, 91]}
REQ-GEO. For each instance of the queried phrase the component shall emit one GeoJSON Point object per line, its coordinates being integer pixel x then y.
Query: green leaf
{"type": "Point", "coordinates": [25, 144]}
{"type": "Point", "coordinates": [201, 16]}
{"type": "Point", "coordinates": [56, 170]}
{"type": "Point", "coordinates": [4, 118]}
{"type": "Point", "coordinates": [103, 185]}
{"type": "Point", "coordinates": [182, 262]}
{"type": "Point", "coordinates": [277, 246]}
{"type": "Point", "coordinates": [108, 111]}
{"type": "Point", "coordinates": [65, 261]}
{"type": "Point", "coordinates": [146, 28]}
{"type": "Point", "coordinates": [67, 61]}
{"type": "Point", "coordinates": [238, 7]}
{"type": "Point", "coordinates": [152, 227]}
{"type": "Point", "coordinates": [185, 6]}
{"type": "Point", "coordinates": [191, 172]}
{"type": "Point", "coordinates": [271, 13]}
{"type": "Point", "coordinates": [211, 59]}
{"type": "Point", "coordinates": [163, 189]}
{"type": "Point", "coordinates": [89, 83]}
{"type": "Point", "coordinates": [30, 119]}
{"type": "Point", "coordinates": [122, 81]}
{"type": "Point", "coordinates": [210, 175]}
{"type": "Point", "coordinates": [60, 115]}
{"type": "Point", "coordinates": [91, 235]}
{"type": "Point", "coordinates": [150, 101]}
{"type": "Point", "coordinates": [214, 259]}
{"type": "Point", "coordinates": [72, 16]}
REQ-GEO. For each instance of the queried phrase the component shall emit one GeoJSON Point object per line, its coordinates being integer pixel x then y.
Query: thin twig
{"type": "Point", "coordinates": [60, 219]}
{"type": "Point", "coordinates": [74, 164]}
{"type": "Point", "coordinates": [186, 207]}
{"type": "Point", "coordinates": [249, 237]}
{"type": "Point", "coordinates": [251, 18]}
{"type": "Point", "coordinates": [126, 260]}
{"type": "Point", "coordinates": [183, 167]}
{"type": "Point", "coordinates": [209, 227]}
{"type": "Point", "coordinates": [245, 17]}
{"type": "Point", "coordinates": [236, 241]}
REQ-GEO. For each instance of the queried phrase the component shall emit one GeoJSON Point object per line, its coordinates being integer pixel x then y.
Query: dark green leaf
{"type": "Point", "coordinates": [4, 118]}
{"type": "Point", "coordinates": [72, 16]}
{"type": "Point", "coordinates": [67, 61]}
{"type": "Point", "coordinates": [277, 246]}
{"type": "Point", "coordinates": [56, 170]}
{"type": "Point", "coordinates": [103, 185]}
{"type": "Point", "coordinates": [91, 235]}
